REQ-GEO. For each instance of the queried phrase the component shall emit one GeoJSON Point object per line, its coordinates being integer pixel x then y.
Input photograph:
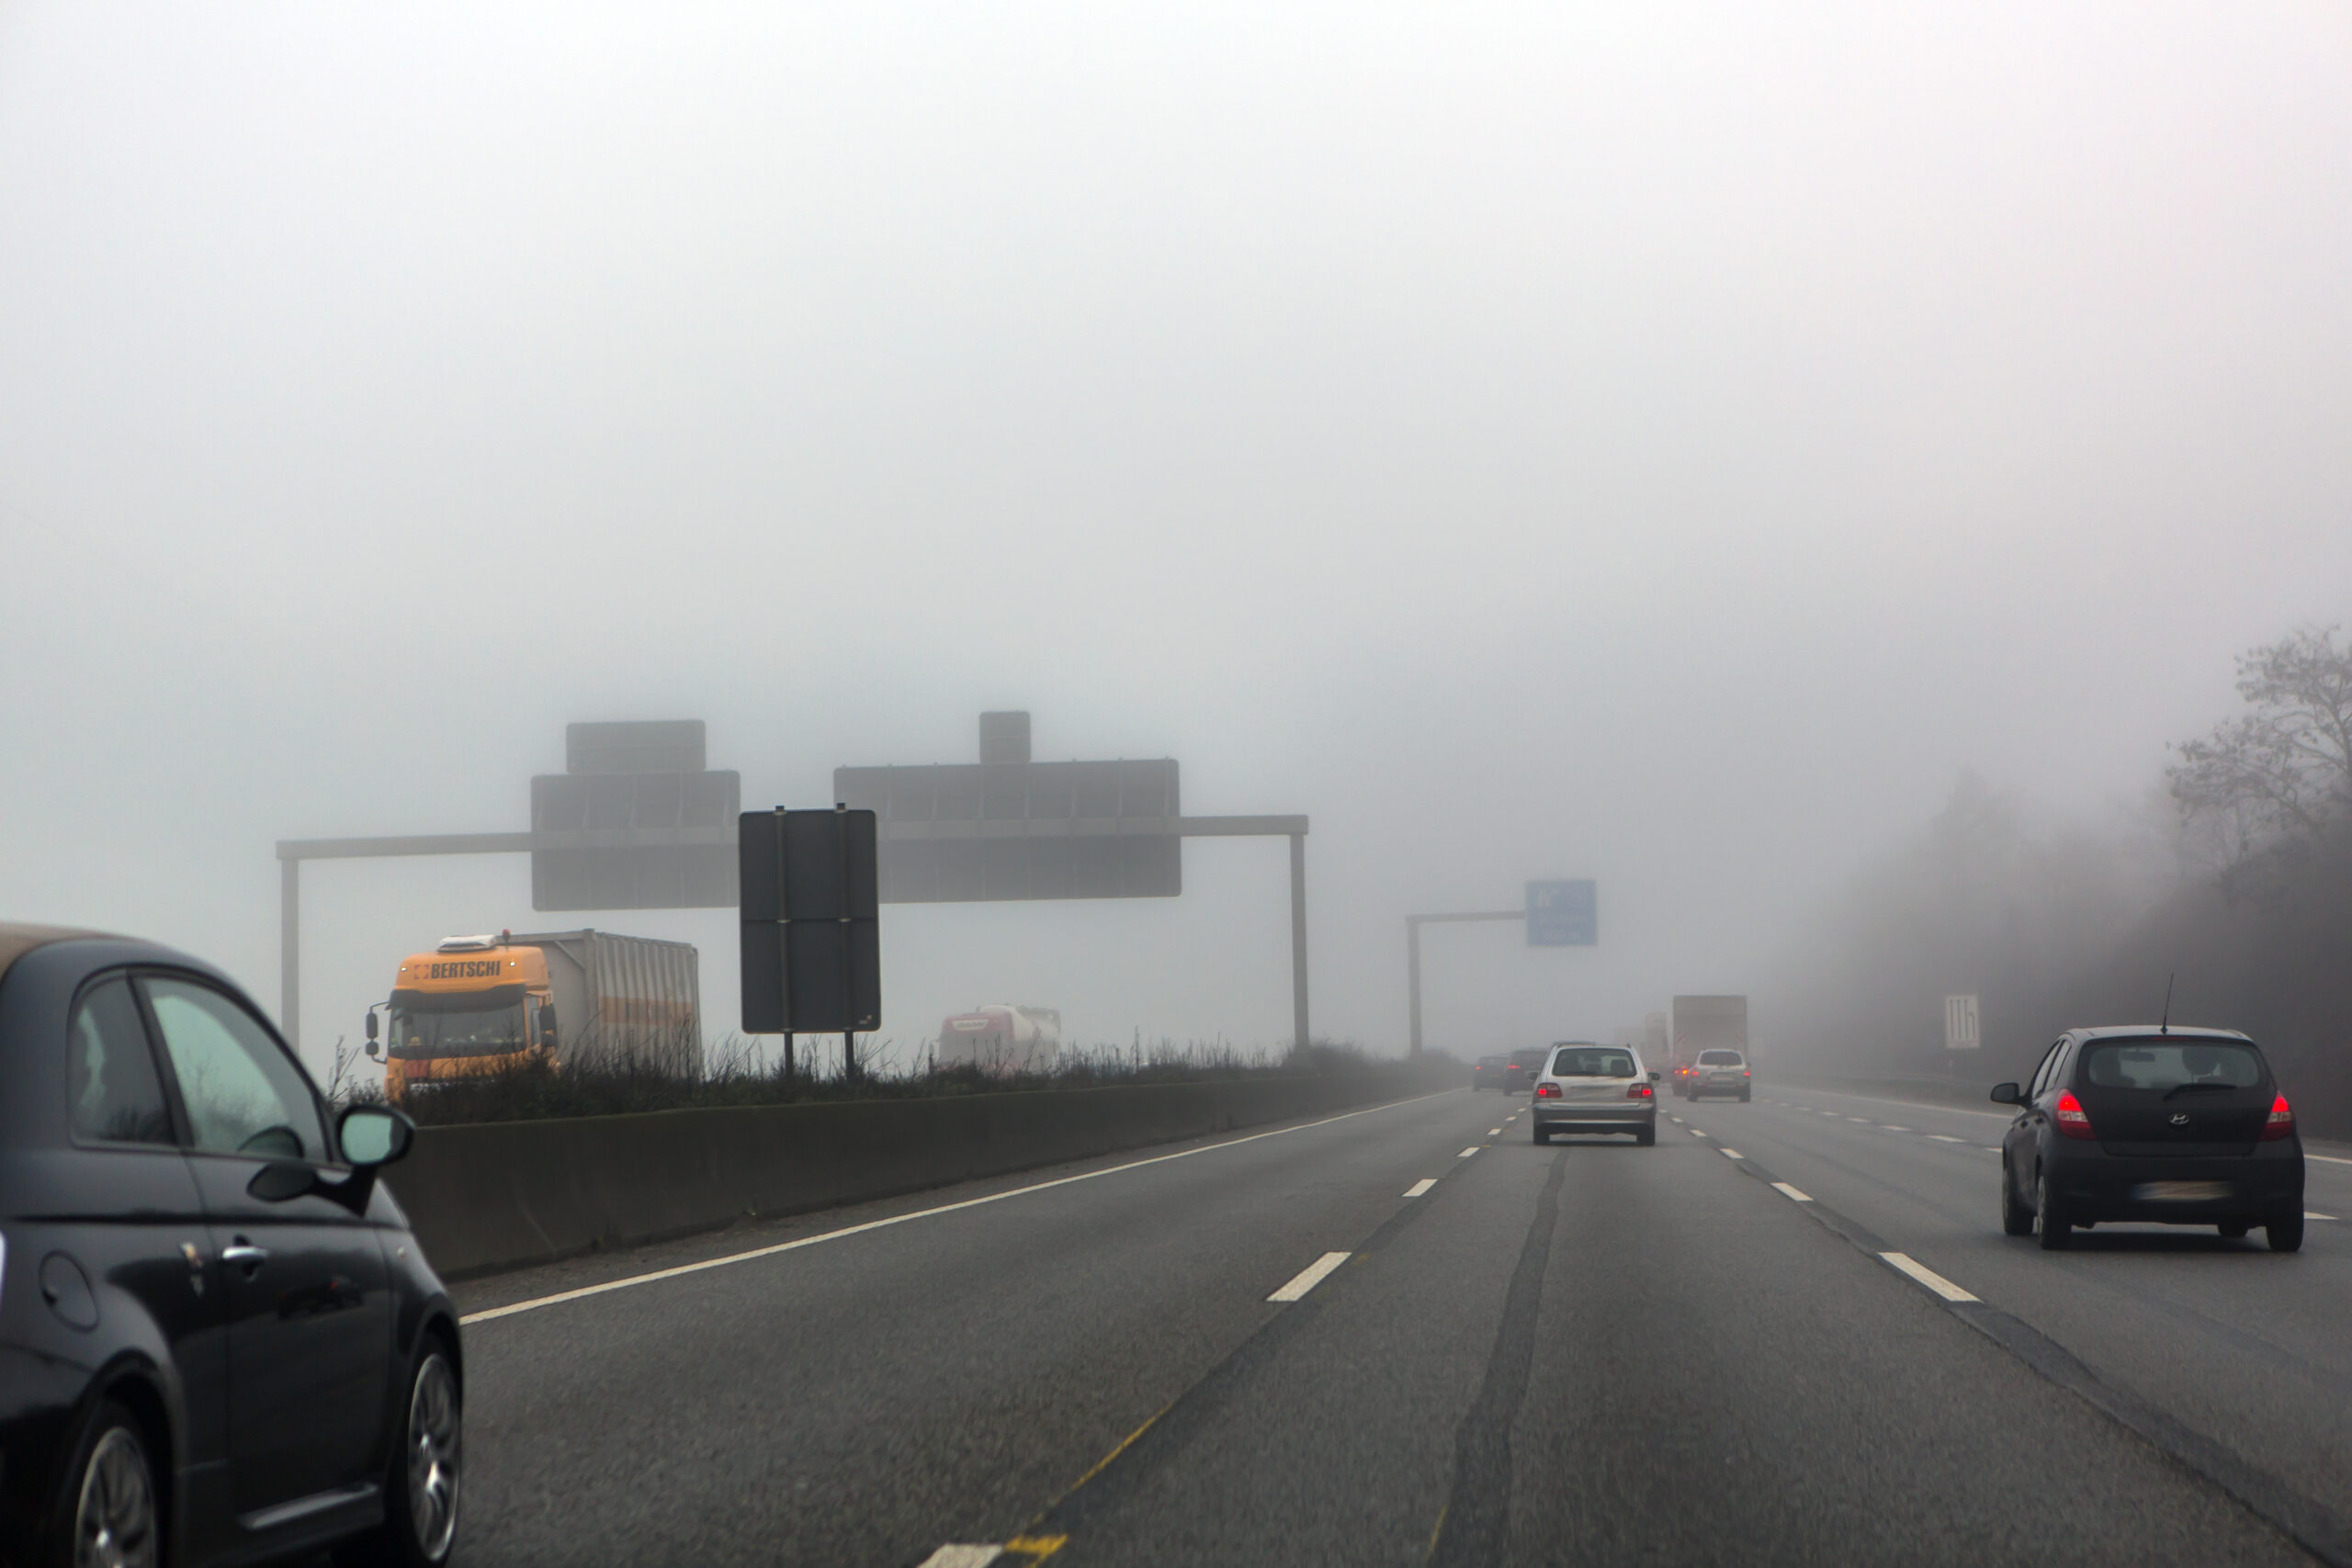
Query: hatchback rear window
{"type": "Point", "coordinates": [1592, 1063]}
{"type": "Point", "coordinates": [1719, 1058]}
{"type": "Point", "coordinates": [2157, 1063]}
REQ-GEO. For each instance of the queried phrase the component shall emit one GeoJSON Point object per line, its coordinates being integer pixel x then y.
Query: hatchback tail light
{"type": "Point", "coordinates": [2281, 1122]}
{"type": "Point", "coordinates": [1547, 1091]}
{"type": "Point", "coordinates": [2071, 1118]}
{"type": "Point", "coordinates": [1639, 1092]}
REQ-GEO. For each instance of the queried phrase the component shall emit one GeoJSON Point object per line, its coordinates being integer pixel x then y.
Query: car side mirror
{"type": "Point", "coordinates": [2006, 1094]}
{"type": "Point", "coordinates": [280, 1180]}
{"type": "Point", "coordinates": [374, 1135]}
{"type": "Point", "coordinates": [547, 1027]}
{"type": "Point", "coordinates": [1655, 1076]}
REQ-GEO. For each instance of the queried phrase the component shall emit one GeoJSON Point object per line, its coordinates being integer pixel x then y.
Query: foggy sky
{"type": "Point", "coordinates": [1665, 444]}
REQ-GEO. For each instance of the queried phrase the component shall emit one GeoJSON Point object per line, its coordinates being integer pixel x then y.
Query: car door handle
{"type": "Point", "coordinates": [244, 1255]}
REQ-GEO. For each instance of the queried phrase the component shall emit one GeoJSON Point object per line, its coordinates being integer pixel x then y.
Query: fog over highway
{"type": "Point", "coordinates": [1839, 514]}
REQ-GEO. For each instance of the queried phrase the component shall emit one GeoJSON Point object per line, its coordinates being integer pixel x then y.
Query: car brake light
{"type": "Point", "coordinates": [2071, 1118]}
{"type": "Point", "coordinates": [1547, 1091]}
{"type": "Point", "coordinates": [1745, 1073]}
{"type": "Point", "coordinates": [1639, 1092]}
{"type": "Point", "coordinates": [2281, 1122]}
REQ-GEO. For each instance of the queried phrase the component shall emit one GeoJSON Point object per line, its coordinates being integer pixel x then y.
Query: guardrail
{"type": "Point", "coordinates": [490, 1196]}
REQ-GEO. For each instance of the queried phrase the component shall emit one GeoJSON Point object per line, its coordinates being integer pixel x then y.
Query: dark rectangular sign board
{"type": "Point", "coordinates": [984, 831]}
{"type": "Point", "coordinates": [811, 927]}
{"type": "Point", "coordinates": [1563, 914]}
{"type": "Point", "coordinates": [600, 868]}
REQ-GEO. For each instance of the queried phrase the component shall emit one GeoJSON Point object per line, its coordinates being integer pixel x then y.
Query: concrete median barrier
{"type": "Point", "coordinates": [501, 1195]}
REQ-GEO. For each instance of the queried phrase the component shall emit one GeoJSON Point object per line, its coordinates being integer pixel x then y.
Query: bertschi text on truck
{"type": "Point", "coordinates": [479, 1005]}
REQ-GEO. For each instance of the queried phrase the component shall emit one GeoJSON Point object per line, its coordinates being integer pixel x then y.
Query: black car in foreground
{"type": "Point", "coordinates": [2150, 1123]}
{"type": "Point", "coordinates": [219, 1341]}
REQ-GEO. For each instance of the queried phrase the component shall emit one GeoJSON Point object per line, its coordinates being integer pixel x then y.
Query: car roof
{"type": "Point", "coordinates": [2148, 1031]}
{"type": "Point", "coordinates": [17, 940]}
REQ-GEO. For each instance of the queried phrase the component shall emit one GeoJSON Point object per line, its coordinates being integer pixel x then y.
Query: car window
{"type": "Point", "coordinates": [1719, 1058]}
{"type": "Point", "coordinates": [2168, 1065]}
{"type": "Point", "coordinates": [2042, 1074]}
{"type": "Point", "coordinates": [1592, 1062]}
{"type": "Point", "coordinates": [243, 1094]}
{"type": "Point", "coordinates": [117, 1097]}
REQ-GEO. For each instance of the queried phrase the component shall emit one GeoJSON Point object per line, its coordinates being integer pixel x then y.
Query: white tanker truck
{"type": "Point", "coordinates": [1001, 1039]}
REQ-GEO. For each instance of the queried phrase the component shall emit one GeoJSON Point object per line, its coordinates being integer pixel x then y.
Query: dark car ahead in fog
{"type": "Point", "coordinates": [218, 1339]}
{"type": "Point", "coordinates": [2173, 1126]}
{"type": "Point", "coordinates": [1490, 1072]}
{"type": "Point", "coordinates": [1521, 1067]}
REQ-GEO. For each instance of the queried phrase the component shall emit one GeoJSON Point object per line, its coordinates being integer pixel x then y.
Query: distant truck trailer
{"type": "Point", "coordinates": [584, 1000]}
{"type": "Point", "coordinates": [1001, 1039]}
{"type": "Point", "coordinates": [1705, 1023]}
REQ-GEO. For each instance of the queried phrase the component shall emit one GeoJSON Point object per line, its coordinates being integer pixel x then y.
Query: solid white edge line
{"type": "Point", "coordinates": [1424, 1185]}
{"type": "Point", "coordinates": [953, 1556]}
{"type": "Point", "coordinates": [1730, 1153]}
{"type": "Point", "coordinates": [2331, 1159]}
{"type": "Point", "coordinates": [1309, 1277]}
{"type": "Point", "coordinates": [1467, 1153]}
{"type": "Point", "coordinates": [1791, 1193]}
{"type": "Point", "coordinates": [511, 1308]}
{"type": "Point", "coordinates": [2309, 1215]}
{"type": "Point", "coordinates": [1928, 1277]}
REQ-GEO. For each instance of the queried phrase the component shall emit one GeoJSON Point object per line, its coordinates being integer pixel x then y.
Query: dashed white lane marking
{"type": "Point", "coordinates": [1791, 1193]}
{"type": "Point", "coordinates": [1696, 1134]}
{"type": "Point", "coordinates": [1891, 1127]}
{"type": "Point", "coordinates": [1497, 1132]}
{"type": "Point", "coordinates": [1309, 1277]}
{"type": "Point", "coordinates": [954, 1556]}
{"type": "Point", "coordinates": [2331, 1159]}
{"type": "Point", "coordinates": [1928, 1277]}
{"type": "Point", "coordinates": [757, 1252]}
{"type": "Point", "coordinates": [1946, 1138]}
{"type": "Point", "coordinates": [1863, 1119]}
{"type": "Point", "coordinates": [1467, 1153]}
{"type": "Point", "coordinates": [1730, 1153]}
{"type": "Point", "coordinates": [1424, 1185]}
{"type": "Point", "coordinates": [2309, 1215]}
{"type": "Point", "coordinates": [1831, 1114]}
{"type": "Point", "coordinates": [1992, 1148]}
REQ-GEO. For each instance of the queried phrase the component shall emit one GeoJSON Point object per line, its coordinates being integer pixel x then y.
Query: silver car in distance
{"type": "Point", "coordinates": [1585, 1087]}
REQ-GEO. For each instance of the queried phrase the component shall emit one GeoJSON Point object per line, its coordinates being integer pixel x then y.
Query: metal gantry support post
{"type": "Point", "coordinates": [1298, 941]}
{"type": "Point", "coordinates": [290, 952]}
{"type": "Point", "coordinates": [1413, 924]}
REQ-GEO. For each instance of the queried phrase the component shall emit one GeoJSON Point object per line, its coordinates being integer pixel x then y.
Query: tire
{"type": "Point", "coordinates": [1743, 1094]}
{"type": "Point", "coordinates": [1543, 1133]}
{"type": "Point", "coordinates": [2285, 1232]}
{"type": "Point", "coordinates": [420, 1494]}
{"type": "Point", "coordinates": [2016, 1218]}
{"type": "Point", "coordinates": [2051, 1225]}
{"type": "Point", "coordinates": [2234, 1229]}
{"type": "Point", "coordinates": [109, 1510]}
{"type": "Point", "coordinates": [1647, 1136]}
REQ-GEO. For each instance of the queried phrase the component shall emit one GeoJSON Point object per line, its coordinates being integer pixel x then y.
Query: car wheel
{"type": "Point", "coordinates": [2285, 1233]}
{"type": "Point", "coordinates": [421, 1502]}
{"type": "Point", "coordinates": [2234, 1228]}
{"type": "Point", "coordinates": [1543, 1133]}
{"type": "Point", "coordinates": [1647, 1136]}
{"type": "Point", "coordinates": [109, 1514]}
{"type": "Point", "coordinates": [2051, 1225]}
{"type": "Point", "coordinates": [2016, 1218]}
{"type": "Point", "coordinates": [1743, 1094]}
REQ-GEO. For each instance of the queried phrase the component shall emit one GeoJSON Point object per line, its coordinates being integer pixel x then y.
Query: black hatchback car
{"type": "Point", "coordinates": [2146, 1123]}
{"type": "Point", "coordinates": [219, 1341]}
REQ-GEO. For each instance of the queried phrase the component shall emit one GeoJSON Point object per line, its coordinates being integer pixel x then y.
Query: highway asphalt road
{"type": "Point", "coordinates": [1587, 1352]}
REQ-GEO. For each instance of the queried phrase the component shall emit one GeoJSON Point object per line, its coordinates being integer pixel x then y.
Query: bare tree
{"type": "Point", "coordinates": [2281, 775]}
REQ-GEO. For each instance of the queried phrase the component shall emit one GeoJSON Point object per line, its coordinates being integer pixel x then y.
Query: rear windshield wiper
{"type": "Point", "coordinates": [2185, 1087]}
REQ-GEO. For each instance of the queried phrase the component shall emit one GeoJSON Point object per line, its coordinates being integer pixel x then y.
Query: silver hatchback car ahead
{"type": "Point", "coordinates": [1586, 1087]}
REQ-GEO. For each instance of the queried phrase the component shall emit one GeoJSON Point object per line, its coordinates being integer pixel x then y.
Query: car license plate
{"type": "Point", "coordinates": [2181, 1191]}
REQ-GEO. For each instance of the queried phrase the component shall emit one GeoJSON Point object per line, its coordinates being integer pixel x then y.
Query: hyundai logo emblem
{"type": "Point", "coordinates": [2180, 1118]}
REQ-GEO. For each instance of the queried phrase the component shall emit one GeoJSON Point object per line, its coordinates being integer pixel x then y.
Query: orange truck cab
{"type": "Point", "coordinates": [472, 1006]}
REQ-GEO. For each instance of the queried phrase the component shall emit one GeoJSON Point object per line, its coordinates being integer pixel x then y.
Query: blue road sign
{"type": "Point", "coordinates": [1563, 914]}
